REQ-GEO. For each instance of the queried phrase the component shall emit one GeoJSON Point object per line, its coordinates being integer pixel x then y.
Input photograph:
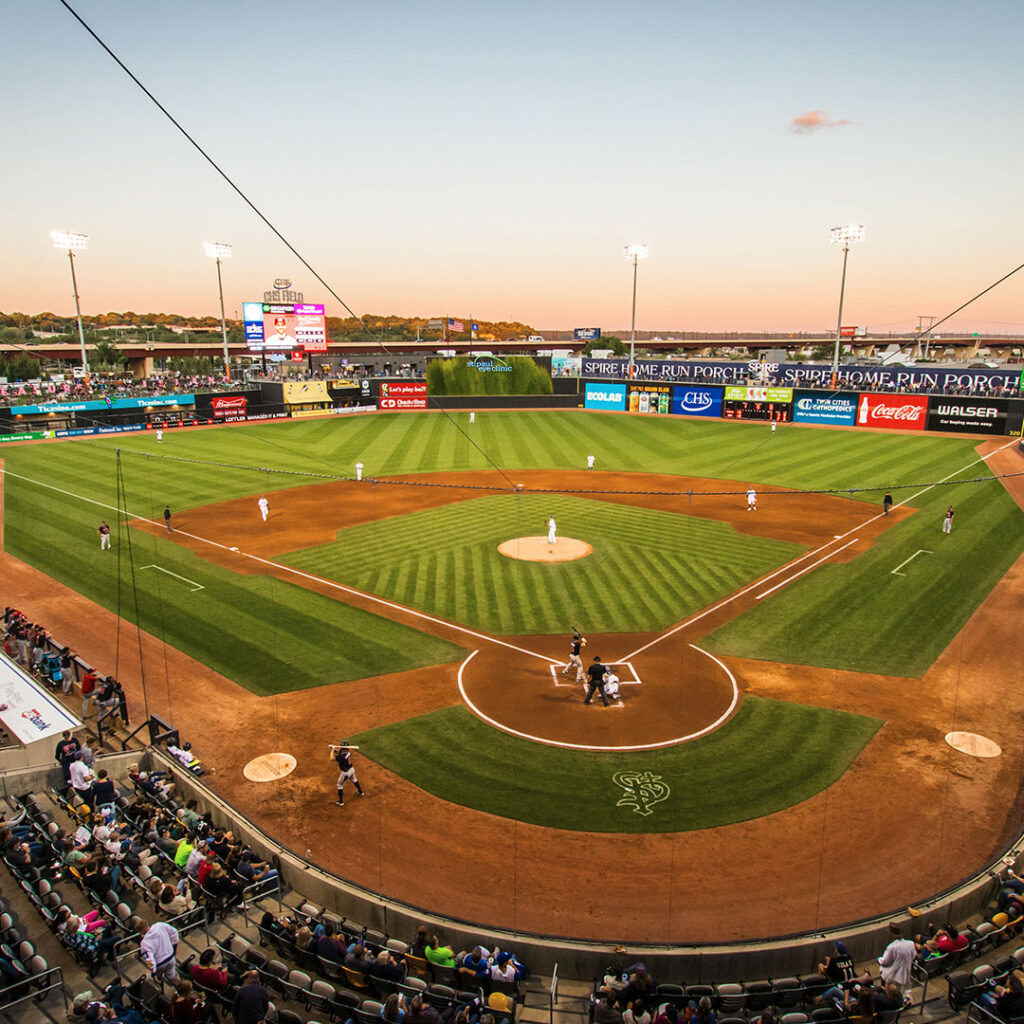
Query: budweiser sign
{"type": "Point", "coordinates": [892, 412]}
{"type": "Point", "coordinates": [229, 407]}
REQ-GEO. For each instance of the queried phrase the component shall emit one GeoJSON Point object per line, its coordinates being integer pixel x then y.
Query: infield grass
{"type": "Point", "coordinates": [770, 755]}
{"type": "Point", "coordinates": [647, 570]}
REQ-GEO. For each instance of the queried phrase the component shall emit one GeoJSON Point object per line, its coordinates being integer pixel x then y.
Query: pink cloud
{"type": "Point", "coordinates": [815, 120]}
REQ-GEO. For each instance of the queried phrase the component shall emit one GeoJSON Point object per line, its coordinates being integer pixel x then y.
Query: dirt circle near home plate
{"type": "Point", "coordinates": [269, 767]}
{"type": "Point", "coordinates": [537, 549]}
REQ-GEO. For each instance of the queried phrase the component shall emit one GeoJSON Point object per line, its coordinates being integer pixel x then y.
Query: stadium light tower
{"type": "Point", "coordinates": [73, 242]}
{"type": "Point", "coordinates": [843, 236]}
{"type": "Point", "coordinates": [221, 251]}
{"type": "Point", "coordinates": [634, 253]}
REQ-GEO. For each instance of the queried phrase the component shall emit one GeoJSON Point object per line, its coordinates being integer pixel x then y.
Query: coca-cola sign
{"type": "Point", "coordinates": [892, 412]}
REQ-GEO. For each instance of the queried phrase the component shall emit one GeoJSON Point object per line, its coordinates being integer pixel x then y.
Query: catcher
{"type": "Point", "coordinates": [575, 661]}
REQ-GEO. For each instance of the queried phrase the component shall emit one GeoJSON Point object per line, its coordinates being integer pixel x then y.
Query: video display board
{"type": "Point", "coordinates": [284, 326]}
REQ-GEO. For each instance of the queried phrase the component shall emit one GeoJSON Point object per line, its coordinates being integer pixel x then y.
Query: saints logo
{"type": "Point", "coordinates": [641, 790]}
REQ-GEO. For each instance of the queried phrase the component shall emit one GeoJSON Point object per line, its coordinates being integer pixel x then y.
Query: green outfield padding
{"type": "Point", "coordinates": [647, 570]}
{"type": "Point", "coordinates": [770, 755]}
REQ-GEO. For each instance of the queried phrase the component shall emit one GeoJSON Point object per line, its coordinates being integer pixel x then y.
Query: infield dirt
{"type": "Point", "coordinates": [902, 823]}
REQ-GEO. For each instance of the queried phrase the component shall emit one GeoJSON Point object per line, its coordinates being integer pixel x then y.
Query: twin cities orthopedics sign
{"type": "Point", "coordinates": [892, 412]}
{"type": "Point", "coordinates": [692, 401]}
{"type": "Point", "coordinates": [815, 407]}
{"type": "Point", "coordinates": [968, 415]}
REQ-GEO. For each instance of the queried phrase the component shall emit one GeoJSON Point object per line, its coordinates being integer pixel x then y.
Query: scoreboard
{"type": "Point", "coordinates": [284, 327]}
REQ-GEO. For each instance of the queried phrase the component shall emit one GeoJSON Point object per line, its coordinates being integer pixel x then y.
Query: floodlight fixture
{"type": "Point", "coordinates": [74, 242]}
{"type": "Point", "coordinates": [218, 250]}
{"type": "Point", "coordinates": [844, 236]}
{"type": "Point", "coordinates": [221, 251]}
{"type": "Point", "coordinates": [634, 253]}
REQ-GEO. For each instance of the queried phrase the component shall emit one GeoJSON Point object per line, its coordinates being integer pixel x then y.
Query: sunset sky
{"type": "Point", "coordinates": [491, 159]}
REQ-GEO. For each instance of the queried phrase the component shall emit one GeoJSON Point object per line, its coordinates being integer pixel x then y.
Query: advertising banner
{"type": "Point", "coordinates": [95, 406]}
{"type": "Point", "coordinates": [758, 394]}
{"type": "Point", "coordinates": [28, 711]}
{"type": "Point", "coordinates": [598, 395]}
{"type": "Point", "coordinates": [815, 407]}
{"type": "Point", "coordinates": [399, 395]}
{"type": "Point", "coordinates": [1015, 417]}
{"type": "Point", "coordinates": [691, 401]}
{"type": "Point", "coordinates": [650, 398]}
{"type": "Point", "coordinates": [968, 415]}
{"type": "Point", "coordinates": [892, 412]}
{"type": "Point", "coordinates": [586, 333]}
{"type": "Point", "coordinates": [228, 407]}
{"type": "Point", "coordinates": [566, 366]}
{"type": "Point", "coordinates": [32, 435]}
{"type": "Point", "coordinates": [302, 392]}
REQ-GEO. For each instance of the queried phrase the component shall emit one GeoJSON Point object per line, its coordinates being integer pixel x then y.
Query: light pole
{"type": "Point", "coordinates": [221, 251]}
{"type": "Point", "coordinates": [74, 242]}
{"type": "Point", "coordinates": [635, 253]}
{"type": "Point", "coordinates": [843, 236]}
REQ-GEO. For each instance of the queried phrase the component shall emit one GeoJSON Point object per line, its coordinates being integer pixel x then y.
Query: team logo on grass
{"type": "Point", "coordinates": [642, 790]}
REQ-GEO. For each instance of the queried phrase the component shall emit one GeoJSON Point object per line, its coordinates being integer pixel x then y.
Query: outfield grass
{"type": "Point", "coordinates": [56, 532]}
{"type": "Point", "coordinates": [648, 569]}
{"type": "Point", "coordinates": [770, 755]}
{"type": "Point", "coordinates": [861, 616]}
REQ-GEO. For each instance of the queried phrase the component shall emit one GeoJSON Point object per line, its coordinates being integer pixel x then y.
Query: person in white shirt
{"type": "Point", "coordinates": [611, 684]}
{"type": "Point", "coordinates": [590, 462]}
{"type": "Point", "coordinates": [897, 959]}
{"type": "Point", "coordinates": [552, 539]}
{"type": "Point", "coordinates": [751, 500]}
{"type": "Point", "coordinates": [159, 942]}
{"type": "Point", "coordinates": [81, 777]}
{"type": "Point", "coordinates": [264, 506]}
{"type": "Point", "coordinates": [472, 417]}
{"type": "Point", "coordinates": [159, 435]}
{"type": "Point", "coordinates": [359, 471]}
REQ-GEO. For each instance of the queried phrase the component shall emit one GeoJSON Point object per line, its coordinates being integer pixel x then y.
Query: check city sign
{"type": "Point", "coordinates": [489, 364]}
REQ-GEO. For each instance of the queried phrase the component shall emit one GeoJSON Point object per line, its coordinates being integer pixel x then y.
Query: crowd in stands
{"type": "Point", "coordinates": [96, 387]}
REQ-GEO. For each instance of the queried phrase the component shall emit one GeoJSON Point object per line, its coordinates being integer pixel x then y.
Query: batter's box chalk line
{"type": "Point", "coordinates": [627, 676]}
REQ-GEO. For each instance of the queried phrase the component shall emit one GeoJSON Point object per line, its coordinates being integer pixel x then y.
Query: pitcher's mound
{"type": "Point", "coordinates": [537, 549]}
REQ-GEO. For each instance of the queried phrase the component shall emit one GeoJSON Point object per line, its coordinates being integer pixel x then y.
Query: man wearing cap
{"type": "Point", "coordinates": [575, 645]}
{"type": "Point", "coordinates": [347, 773]}
{"type": "Point", "coordinates": [596, 673]}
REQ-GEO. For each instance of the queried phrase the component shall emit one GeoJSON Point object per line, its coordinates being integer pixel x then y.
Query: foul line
{"type": "Point", "coordinates": [789, 565]}
{"type": "Point", "coordinates": [797, 575]}
{"type": "Point", "coordinates": [195, 586]}
{"type": "Point", "coordinates": [297, 572]}
{"type": "Point", "coordinates": [616, 749]}
{"type": "Point", "coordinates": [920, 551]}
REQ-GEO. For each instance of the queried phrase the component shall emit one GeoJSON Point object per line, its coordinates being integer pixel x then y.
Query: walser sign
{"type": "Point", "coordinates": [968, 415]}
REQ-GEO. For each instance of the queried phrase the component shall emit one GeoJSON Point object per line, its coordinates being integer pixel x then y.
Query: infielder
{"type": "Point", "coordinates": [359, 471]}
{"type": "Point", "coordinates": [575, 645]}
{"type": "Point", "coordinates": [552, 539]}
{"type": "Point", "coordinates": [104, 531]}
{"type": "Point", "coordinates": [751, 500]}
{"type": "Point", "coordinates": [159, 435]}
{"type": "Point", "coordinates": [264, 506]}
{"type": "Point", "coordinates": [341, 756]}
{"type": "Point", "coordinates": [590, 462]}
{"type": "Point", "coordinates": [947, 522]}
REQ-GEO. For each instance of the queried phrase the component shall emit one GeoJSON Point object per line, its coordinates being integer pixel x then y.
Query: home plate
{"type": "Point", "coordinates": [624, 667]}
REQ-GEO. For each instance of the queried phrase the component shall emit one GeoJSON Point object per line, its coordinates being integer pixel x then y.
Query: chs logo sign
{"type": "Point", "coordinates": [688, 401]}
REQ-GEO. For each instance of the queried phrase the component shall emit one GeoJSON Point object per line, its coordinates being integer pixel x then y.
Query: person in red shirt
{"type": "Point", "coordinates": [204, 869]}
{"type": "Point", "coordinates": [89, 681]}
{"type": "Point", "coordinates": [209, 976]}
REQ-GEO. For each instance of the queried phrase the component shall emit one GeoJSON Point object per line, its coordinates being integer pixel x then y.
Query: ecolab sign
{"type": "Point", "coordinates": [402, 396]}
{"type": "Point", "coordinates": [605, 396]}
{"type": "Point", "coordinates": [892, 412]}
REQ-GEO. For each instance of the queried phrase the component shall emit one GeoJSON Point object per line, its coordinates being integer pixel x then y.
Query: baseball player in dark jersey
{"type": "Point", "coordinates": [341, 755]}
{"type": "Point", "coordinates": [575, 645]}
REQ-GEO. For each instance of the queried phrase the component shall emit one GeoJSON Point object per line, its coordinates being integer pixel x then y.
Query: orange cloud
{"type": "Point", "coordinates": [815, 120]}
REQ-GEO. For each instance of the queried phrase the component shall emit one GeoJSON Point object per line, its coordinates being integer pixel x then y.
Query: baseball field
{"type": "Point", "coordinates": [788, 675]}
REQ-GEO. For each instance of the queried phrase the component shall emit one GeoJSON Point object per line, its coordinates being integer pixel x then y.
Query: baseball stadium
{"type": "Point", "coordinates": [817, 720]}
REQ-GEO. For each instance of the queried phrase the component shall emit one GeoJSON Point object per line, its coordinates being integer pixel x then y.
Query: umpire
{"type": "Point", "coordinates": [596, 673]}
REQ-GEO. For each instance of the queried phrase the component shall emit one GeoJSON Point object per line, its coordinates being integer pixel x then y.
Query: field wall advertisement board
{"type": "Point", "coordinates": [395, 395]}
{"type": "Point", "coordinates": [604, 396]}
{"type": "Point", "coordinates": [692, 401]}
{"type": "Point", "coordinates": [829, 409]}
{"type": "Point", "coordinates": [892, 412]}
{"type": "Point", "coordinates": [967, 415]}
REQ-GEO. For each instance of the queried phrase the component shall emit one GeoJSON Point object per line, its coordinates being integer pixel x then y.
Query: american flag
{"type": "Point", "coordinates": [455, 325]}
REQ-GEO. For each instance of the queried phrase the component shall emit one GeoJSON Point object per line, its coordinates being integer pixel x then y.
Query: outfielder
{"type": "Point", "coordinates": [340, 755]}
{"type": "Point", "coordinates": [264, 506]}
{"type": "Point", "coordinates": [552, 539]}
{"type": "Point", "coordinates": [575, 644]}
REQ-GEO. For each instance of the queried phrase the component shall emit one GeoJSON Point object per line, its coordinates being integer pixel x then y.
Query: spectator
{"type": "Point", "coordinates": [253, 870]}
{"type": "Point", "coordinates": [393, 1009]}
{"type": "Point", "coordinates": [67, 747]}
{"type": "Point", "coordinates": [704, 1013]}
{"type": "Point", "coordinates": [636, 1013]}
{"type": "Point", "coordinates": [186, 1007]}
{"type": "Point", "coordinates": [81, 778]}
{"type": "Point", "coordinates": [443, 956]}
{"type": "Point", "coordinates": [158, 946]}
{"type": "Point", "coordinates": [897, 959]}
{"type": "Point", "coordinates": [251, 1003]}
{"type": "Point", "coordinates": [421, 1012]}
{"type": "Point", "coordinates": [208, 974]}
{"type": "Point", "coordinates": [89, 691]}
{"type": "Point", "coordinates": [420, 942]}
{"type": "Point", "coordinates": [104, 792]}
{"type": "Point", "coordinates": [387, 967]}
{"type": "Point", "coordinates": [358, 958]}
{"type": "Point", "coordinates": [607, 1012]}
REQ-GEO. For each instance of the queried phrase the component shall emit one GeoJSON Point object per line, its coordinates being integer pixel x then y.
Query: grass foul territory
{"type": "Point", "coordinates": [717, 780]}
{"type": "Point", "coordinates": [648, 568]}
{"type": "Point", "coordinates": [860, 616]}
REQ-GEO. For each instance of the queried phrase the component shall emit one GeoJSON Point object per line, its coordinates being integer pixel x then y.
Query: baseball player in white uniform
{"type": "Point", "coordinates": [159, 435]}
{"type": "Point", "coordinates": [359, 471]}
{"type": "Point", "coordinates": [552, 539]}
{"type": "Point", "coordinates": [751, 500]}
{"type": "Point", "coordinates": [472, 417]}
{"type": "Point", "coordinates": [590, 462]}
{"type": "Point", "coordinates": [264, 506]}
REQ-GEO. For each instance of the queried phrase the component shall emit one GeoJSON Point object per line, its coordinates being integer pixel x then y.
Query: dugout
{"type": "Point", "coordinates": [32, 718]}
